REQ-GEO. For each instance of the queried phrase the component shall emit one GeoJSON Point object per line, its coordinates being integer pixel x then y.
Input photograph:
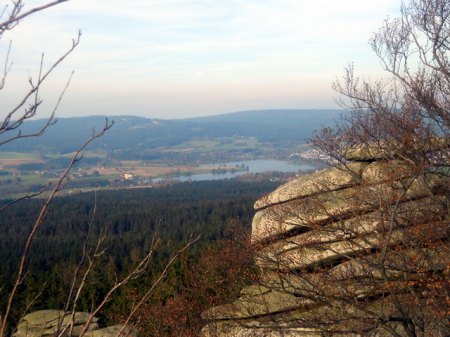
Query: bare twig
{"type": "Point", "coordinates": [15, 17]}
{"type": "Point", "coordinates": [12, 122]}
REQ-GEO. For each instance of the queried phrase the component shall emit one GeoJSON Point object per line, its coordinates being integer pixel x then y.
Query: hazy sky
{"type": "Point", "coordinates": [179, 58]}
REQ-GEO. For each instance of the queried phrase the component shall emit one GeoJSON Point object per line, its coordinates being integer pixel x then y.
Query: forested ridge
{"type": "Point", "coordinates": [129, 219]}
{"type": "Point", "coordinates": [131, 132]}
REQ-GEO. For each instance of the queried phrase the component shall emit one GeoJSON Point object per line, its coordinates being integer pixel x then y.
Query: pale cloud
{"type": "Point", "coordinates": [181, 57]}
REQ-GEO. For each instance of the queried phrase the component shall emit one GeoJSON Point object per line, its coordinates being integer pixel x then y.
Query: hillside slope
{"type": "Point", "coordinates": [134, 133]}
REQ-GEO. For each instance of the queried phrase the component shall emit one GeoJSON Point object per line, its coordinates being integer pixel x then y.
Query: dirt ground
{"type": "Point", "coordinates": [152, 171]}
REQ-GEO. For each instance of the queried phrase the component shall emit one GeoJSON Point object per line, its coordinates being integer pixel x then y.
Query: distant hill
{"type": "Point", "coordinates": [132, 133]}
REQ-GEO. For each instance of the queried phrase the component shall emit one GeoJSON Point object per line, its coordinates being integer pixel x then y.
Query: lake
{"type": "Point", "coordinates": [254, 166]}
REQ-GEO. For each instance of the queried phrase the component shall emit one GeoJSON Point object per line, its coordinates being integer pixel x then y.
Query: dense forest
{"type": "Point", "coordinates": [129, 218]}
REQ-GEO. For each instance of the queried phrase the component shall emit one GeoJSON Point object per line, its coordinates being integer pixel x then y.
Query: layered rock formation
{"type": "Point", "coordinates": [343, 251]}
{"type": "Point", "coordinates": [46, 323]}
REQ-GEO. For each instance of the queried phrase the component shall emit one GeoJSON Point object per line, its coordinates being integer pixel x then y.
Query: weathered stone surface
{"type": "Point", "coordinates": [416, 211]}
{"type": "Point", "coordinates": [24, 330]}
{"type": "Point", "coordinates": [53, 317]}
{"type": "Point", "coordinates": [257, 305]}
{"type": "Point", "coordinates": [251, 329]}
{"type": "Point", "coordinates": [288, 282]}
{"type": "Point", "coordinates": [254, 290]}
{"type": "Point", "coordinates": [34, 332]}
{"type": "Point", "coordinates": [298, 214]}
{"type": "Point", "coordinates": [312, 284]}
{"type": "Point", "coordinates": [289, 324]}
{"type": "Point", "coordinates": [323, 181]}
{"type": "Point", "coordinates": [304, 256]}
{"type": "Point", "coordinates": [51, 322]}
{"type": "Point", "coordinates": [366, 152]}
{"type": "Point", "coordinates": [430, 259]}
{"type": "Point", "coordinates": [390, 150]}
{"type": "Point", "coordinates": [308, 212]}
{"type": "Point", "coordinates": [382, 171]}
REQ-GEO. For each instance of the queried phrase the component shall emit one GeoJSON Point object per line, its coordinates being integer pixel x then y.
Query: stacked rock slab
{"type": "Point", "coordinates": [331, 221]}
{"type": "Point", "coordinates": [46, 323]}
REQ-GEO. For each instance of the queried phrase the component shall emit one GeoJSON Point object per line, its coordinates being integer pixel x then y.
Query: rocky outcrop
{"type": "Point", "coordinates": [320, 240]}
{"type": "Point", "coordinates": [45, 323]}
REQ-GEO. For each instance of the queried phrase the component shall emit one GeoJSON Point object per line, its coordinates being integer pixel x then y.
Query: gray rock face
{"type": "Point", "coordinates": [365, 152]}
{"type": "Point", "coordinates": [303, 214]}
{"type": "Point", "coordinates": [321, 233]}
{"type": "Point", "coordinates": [45, 323]}
{"type": "Point", "coordinates": [391, 150]}
{"type": "Point", "coordinates": [51, 322]}
{"type": "Point", "coordinates": [52, 317]}
{"type": "Point", "coordinates": [254, 329]}
{"type": "Point", "coordinates": [325, 180]}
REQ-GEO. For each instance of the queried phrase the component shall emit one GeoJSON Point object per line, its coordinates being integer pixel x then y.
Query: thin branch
{"type": "Point", "coordinates": [26, 197]}
{"type": "Point", "coordinates": [7, 67]}
{"type": "Point", "coordinates": [16, 18]}
{"type": "Point", "coordinates": [9, 124]}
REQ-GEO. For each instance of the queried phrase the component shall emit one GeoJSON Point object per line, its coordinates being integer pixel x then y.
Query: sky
{"type": "Point", "coordinates": [182, 58]}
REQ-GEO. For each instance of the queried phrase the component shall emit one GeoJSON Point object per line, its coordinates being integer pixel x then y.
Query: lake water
{"type": "Point", "coordinates": [254, 166]}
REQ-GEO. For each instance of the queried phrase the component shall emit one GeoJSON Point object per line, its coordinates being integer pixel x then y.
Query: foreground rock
{"type": "Point", "coordinates": [320, 239]}
{"type": "Point", "coordinates": [46, 323]}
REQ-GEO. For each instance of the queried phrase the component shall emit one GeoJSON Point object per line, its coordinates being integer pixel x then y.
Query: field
{"type": "Point", "coordinates": [135, 166]}
{"type": "Point", "coordinates": [12, 159]}
{"type": "Point", "coordinates": [151, 171]}
{"type": "Point", "coordinates": [219, 144]}
{"type": "Point", "coordinates": [15, 181]}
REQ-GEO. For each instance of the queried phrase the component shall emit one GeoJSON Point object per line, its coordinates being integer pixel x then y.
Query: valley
{"type": "Point", "coordinates": [140, 152]}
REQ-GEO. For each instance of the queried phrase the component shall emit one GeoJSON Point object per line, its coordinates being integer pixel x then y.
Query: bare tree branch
{"type": "Point", "coordinates": [16, 17]}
